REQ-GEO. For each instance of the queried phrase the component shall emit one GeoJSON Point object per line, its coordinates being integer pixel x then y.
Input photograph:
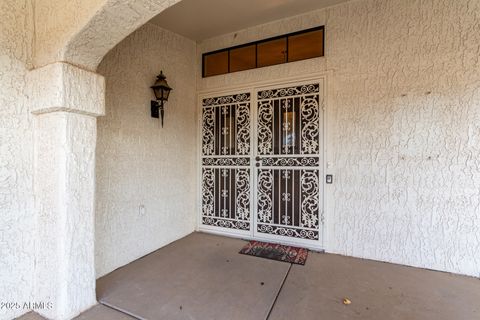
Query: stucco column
{"type": "Point", "coordinates": [65, 101]}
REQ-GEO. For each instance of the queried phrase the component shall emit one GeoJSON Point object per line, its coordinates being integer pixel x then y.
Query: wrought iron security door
{"type": "Point", "coordinates": [226, 172]}
{"type": "Point", "coordinates": [289, 162]}
{"type": "Point", "coordinates": [265, 185]}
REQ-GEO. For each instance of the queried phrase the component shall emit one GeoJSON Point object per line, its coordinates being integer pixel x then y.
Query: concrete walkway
{"type": "Point", "coordinates": [98, 312]}
{"type": "Point", "coordinates": [203, 277]}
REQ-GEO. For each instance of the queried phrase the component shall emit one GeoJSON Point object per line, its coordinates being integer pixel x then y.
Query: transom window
{"type": "Point", "coordinates": [290, 47]}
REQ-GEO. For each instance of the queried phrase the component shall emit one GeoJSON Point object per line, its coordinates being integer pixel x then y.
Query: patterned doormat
{"type": "Point", "coordinates": [276, 252]}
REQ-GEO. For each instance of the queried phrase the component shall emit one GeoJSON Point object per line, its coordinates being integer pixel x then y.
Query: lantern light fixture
{"type": "Point", "coordinates": [161, 89]}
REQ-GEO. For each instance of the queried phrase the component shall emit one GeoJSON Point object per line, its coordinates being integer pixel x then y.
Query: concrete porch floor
{"type": "Point", "coordinates": [203, 277]}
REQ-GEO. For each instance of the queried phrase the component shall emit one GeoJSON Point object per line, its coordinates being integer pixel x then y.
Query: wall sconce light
{"type": "Point", "coordinates": [161, 89]}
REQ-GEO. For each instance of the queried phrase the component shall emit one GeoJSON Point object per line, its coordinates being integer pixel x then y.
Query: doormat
{"type": "Point", "coordinates": [276, 252]}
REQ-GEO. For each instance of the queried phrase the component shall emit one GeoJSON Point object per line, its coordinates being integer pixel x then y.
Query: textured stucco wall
{"type": "Point", "coordinates": [403, 126]}
{"type": "Point", "coordinates": [138, 161]}
{"type": "Point", "coordinates": [65, 100]}
{"type": "Point", "coordinates": [64, 264]}
{"type": "Point", "coordinates": [83, 31]}
{"type": "Point", "coordinates": [51, 35]}
{"type": "Point", "coordinates": [16, 153]}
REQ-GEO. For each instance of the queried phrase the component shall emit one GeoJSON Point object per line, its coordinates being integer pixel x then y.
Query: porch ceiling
{"type": "Point", "coordinates": [203, 19]}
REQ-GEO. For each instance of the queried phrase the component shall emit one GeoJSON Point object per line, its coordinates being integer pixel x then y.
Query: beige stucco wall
{"type": "Point", "coordinates": [403, 126]}
{"type": "Point", "coordinates": [81, 32]}
{"type": "Point", "coordinates": [16, 159]}
{"type": "Point", "coordinates": [139, 163]}
{"type": "Point", "coordinates": [51, 35]}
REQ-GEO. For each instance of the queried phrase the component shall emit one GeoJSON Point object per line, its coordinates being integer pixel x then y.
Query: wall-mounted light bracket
{"type": "Point", "coordinates": [157, 110]}
{"type": "Point", "coordinates": [161, 89]}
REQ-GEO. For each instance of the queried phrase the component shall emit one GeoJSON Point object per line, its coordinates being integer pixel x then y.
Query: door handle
{"type": "Point", "coordinates": [257, 164]}
{"type": "Point", "coordinates": [257, 158]}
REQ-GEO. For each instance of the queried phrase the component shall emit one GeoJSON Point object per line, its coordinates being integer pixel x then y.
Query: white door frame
{"type": "Point", "coordinates": [253, 87]}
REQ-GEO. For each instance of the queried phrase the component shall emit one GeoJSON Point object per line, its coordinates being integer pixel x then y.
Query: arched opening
{"type": "Point", "coordinates": [66, 98]}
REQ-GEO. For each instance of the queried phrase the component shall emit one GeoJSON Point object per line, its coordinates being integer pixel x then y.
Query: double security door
{"type": "Point", "coordinates": [262, 163]}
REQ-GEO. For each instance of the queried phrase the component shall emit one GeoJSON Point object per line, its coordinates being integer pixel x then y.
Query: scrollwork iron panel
{"type": "Point", "coordinates": [289, 148]}
{"type": "Point", "coordinates": [208, 192]}
{"type": "Point", "coordinates": [208, 131]}
{"type": "Point", "coordinates": [242, 129]}
{"type": "Point", "coordinates": [291, 162]}
{"type": "Point", "coordinates": [264, 127]}
{"type": "Point", "coordinates": [288, 202]}
{"type": "Point", "coordinates": [288, 92]}
{"type": "Point", "coordinates": [226, 162]}
{"type": "Point", "coordinates": [230, 99]}
{"type": "Point", "coordinates": [226, 125]}
{"type": "Point", "coordinates": [288, 232]}
{"type": "Point", "coordinates": [226, 197]}
{"type": "Point", "coordinates": [288, 126]}
{"type": "Point", "coordinates": [310, 127]}
{"type": "Point", "coordinates": [218, 222]}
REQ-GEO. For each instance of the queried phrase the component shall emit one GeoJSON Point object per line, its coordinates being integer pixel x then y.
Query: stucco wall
{"type": "Point", "coordinates": [403, 126]}
{"type": "Point", "coordinates": [83, 31]}
{"type": "Point", "coordinates": [16, 159]}
{"type": "Point", "coordinates": [51, 35]}
{"type": "Point", "coordinates": [139, 163]}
